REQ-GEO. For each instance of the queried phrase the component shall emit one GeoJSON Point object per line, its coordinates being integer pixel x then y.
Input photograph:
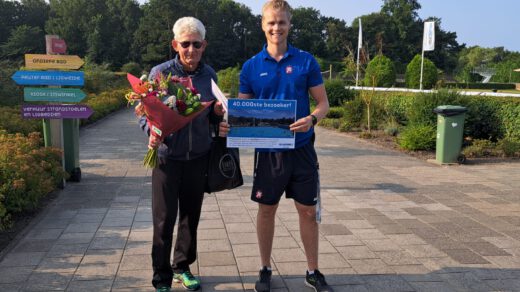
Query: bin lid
{"type": "Point", "coordinates": [450, 110]}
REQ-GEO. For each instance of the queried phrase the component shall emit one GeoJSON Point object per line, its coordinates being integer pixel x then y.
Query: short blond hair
{"type": "Point", "coordinates": [189, 25]}
{"type": "Point", "coordinates": [278, 5]}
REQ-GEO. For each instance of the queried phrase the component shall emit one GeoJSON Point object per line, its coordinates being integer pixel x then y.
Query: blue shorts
{"type": "Point", "coordinates": [294, 172]}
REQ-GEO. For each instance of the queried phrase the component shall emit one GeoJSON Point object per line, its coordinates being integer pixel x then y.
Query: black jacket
{"type": "Point", "coordinates": [194, 139]}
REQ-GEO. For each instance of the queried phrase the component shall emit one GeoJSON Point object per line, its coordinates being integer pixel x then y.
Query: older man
{"type": "Point", "coordinates": [178, 181]}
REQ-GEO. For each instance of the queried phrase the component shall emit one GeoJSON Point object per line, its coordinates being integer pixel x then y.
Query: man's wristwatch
{"type": "Point", "coordinates": [314, 120]}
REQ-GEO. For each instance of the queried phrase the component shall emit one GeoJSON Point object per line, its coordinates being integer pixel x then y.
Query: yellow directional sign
{"type": "Point", "coordinates": [40, 61]}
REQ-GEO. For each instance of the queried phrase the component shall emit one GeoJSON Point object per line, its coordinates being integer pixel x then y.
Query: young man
{"type": "Point", "coordinates": [281, 71]}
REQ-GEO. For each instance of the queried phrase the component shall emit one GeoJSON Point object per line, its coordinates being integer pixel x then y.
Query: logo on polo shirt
{"type": "Point", "coordinates": [263, 74]}
{"type": "Point", "coordinates": [288, 70]}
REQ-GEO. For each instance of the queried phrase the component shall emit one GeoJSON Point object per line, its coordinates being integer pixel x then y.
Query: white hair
{"type": "Point", "coordinates": [188, 25]}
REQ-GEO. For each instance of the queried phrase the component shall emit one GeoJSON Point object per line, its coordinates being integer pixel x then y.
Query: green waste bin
{"type": "Point", "coordinates": [450, 126]}
{"type": "Point", "coordinates": [71, 148]}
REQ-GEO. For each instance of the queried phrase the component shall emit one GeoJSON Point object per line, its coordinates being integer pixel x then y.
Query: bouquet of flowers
{"type": "Point", "coordinates": [169, 104]}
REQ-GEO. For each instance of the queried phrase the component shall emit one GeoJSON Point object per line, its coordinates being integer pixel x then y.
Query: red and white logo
{"type": "Point", "coordinates": [259, 194]}
{"type": "Point", "coordinates": [288, 70]}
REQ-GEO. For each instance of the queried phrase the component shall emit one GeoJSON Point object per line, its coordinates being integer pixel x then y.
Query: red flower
{"type": "Point", "coordinates": [181, 106]}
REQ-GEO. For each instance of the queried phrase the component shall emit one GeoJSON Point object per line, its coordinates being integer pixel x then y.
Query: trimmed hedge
{"type": "Point", "coordinates": [337, 94]}
{"type": "Point", "coordinates": [473, 85]}
{"type": "Point", "coordinates": [490, 118]}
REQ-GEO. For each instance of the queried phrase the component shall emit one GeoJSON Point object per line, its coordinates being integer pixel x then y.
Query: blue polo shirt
{"type": "Point", "coordinates": [289, 79]}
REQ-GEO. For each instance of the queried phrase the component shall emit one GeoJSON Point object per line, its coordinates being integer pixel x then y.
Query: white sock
{"type": "Point", "coordinates": [310, 272]}
{"type": "Point", "coordinates": [268, 268]}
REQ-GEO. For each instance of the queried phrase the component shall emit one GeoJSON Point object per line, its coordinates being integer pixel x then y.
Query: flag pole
{"type": "Point", "coordinates": [422, 66]}
{"type": "Point", "coordinates": [360, 42]}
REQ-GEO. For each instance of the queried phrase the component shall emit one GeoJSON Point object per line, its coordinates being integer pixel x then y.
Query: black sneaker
{"type": "Point", "coordinates": [317, 282]}
{"type": "Point", "coordinates": [264, 282]}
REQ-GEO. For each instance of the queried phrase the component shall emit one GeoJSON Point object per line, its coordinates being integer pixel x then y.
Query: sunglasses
{"type": "Point", "coordinates": [196, 45]}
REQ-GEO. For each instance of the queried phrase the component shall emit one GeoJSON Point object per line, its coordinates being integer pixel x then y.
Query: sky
{"type": "Point", "coordinates": [486, 23]}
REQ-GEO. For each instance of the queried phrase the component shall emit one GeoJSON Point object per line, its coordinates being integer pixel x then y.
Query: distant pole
{"type": "Point", "coordinates": [360, 45]}
{"type": "Point", "coordinates": [428, 44]}
{"type": "Point", "coordinates": [330, 71]}
{"type": "Point", "coordinates": [422, 66]}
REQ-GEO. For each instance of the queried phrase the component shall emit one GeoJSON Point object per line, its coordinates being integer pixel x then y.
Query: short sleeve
{"type": "Point", "coordinates": [245, 84]}
{"type": "Point", "coordinates": [315, 77]}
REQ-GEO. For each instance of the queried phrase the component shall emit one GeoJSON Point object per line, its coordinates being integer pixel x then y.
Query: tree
{"type": "Point", "coordinates": [337, 38]}
{"type": "Point", "coordinates": [413, 73]}
{"type": "Point", "coordinates": [10, 17]}
{"type": "Point", "coordinates": [100, 29]}
{"type": "Point", "coordinates": [24, 39]}
{"type": "Point", "coordinates": [404, 30]}
{"type": "Point", "coordinates": [307, 32]}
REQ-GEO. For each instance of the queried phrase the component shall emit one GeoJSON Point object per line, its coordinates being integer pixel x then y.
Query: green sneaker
{"type": "Point", "coordinates": [163, 289]}
{"type": "Point", "coordinates": [188, 281]}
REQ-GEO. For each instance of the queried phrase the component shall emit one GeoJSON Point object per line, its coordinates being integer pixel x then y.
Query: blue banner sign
{"type": "Point", "coordinates": [74, 78]}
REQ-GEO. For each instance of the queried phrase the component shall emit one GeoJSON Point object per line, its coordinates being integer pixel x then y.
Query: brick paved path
{"type": "Point", "coordinates": [390, 223]}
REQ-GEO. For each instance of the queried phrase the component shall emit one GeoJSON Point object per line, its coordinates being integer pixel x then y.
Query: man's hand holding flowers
{"type": "Point", "coordinates": [181, 105]}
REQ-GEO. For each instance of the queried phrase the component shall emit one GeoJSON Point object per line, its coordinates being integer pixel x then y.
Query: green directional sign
{"type": "Point", "coordinates": [53, 94]}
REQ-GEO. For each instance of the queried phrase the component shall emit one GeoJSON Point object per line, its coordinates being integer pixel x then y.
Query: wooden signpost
{"type": "Point", "coordinates": [66, 62]}
{"type": "Point", "coordinates": [60, 121]}
{"type": "Point", "coordinates": [53, 94]}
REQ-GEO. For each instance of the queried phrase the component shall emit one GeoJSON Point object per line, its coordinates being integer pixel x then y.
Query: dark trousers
{"type": "Point", "coordinates": [176, 185]}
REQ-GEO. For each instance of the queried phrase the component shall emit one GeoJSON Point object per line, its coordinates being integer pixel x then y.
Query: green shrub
{"type": "Point", "coordinates": [394, 105]}
{"type": "Point", "coordinates": [10, 93]}
{"type": "Point", "coordinates": [337, 94]}
{"type": "Point", "coordinates": [509, 118]}
{"type": "Point", "coordinates": [335, 113]}
{"type": "Point", "coordinates": [228, 80]}
{"type": "Point", "coordinates": [11, 121]}
{"type": "Point", "coordinates": [354, 112]}
{"type": "Point", "coordinates": [421, 108]}
{"type": "Point", "coordinates": [381, 70]}
{"type": "Point", "coordinates": [132, 68]}
{"type": "Point", "coordinates": [391, 127]}
{"type": "Point", "coordinates": [99, 78]}
{"type": "Point", "coordinates": [104, 103]}
{"type": "Point", "coordinates": [413, 73]}
{"type": "Point", "coordinates": [27, 173]}
{"type": "Point", "coordinates": [509, 147]}
{"type": "Point", "coordinates": [482, 121]}
{"type": "Point", "coordinates": [330, 123]}
{"type": "Point", "coordinates": [417, 137]}
{"type": "Point", "coordinates": [479, 148]}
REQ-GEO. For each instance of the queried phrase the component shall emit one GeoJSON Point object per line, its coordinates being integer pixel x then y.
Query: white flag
{"type": "Point", "coordinates": [429, 36]}
{"type": "Point", "coordinates": [360, 37]}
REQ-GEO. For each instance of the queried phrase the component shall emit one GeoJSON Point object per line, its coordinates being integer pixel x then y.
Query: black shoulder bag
{"type": "Point", "coordinates": [223, 166]}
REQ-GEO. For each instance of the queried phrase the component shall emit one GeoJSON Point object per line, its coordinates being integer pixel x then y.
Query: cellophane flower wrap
{"type": "Point", "coordinates": [169, 103]}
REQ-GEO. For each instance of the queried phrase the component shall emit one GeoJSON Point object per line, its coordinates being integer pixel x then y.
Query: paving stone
{"type": "Point", "coordinates": [48, 281]}
{"type": "Point", "coordinates": [356, 252]}
{"type": "Point", "coordinates": [408, 226]}
{"type": "Point", "coordinates": [22, 259]}
{"type": "Point", "coordinates": [90, 285]}
{"type": "Point", "coordinates": [387, 283]}
{"type": "Point", "coordinates": [213, 245]}
{"type": "Point", "coordinates": [90, 272]}
{"type": "Point", "coordinates": [221, 258]}
{"type": "Point", "coordinates": [139, 280]}
{"type": "Point", "coordinates": [15, 275]}
{"type": "Point", "coordinates": [370, 266]}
